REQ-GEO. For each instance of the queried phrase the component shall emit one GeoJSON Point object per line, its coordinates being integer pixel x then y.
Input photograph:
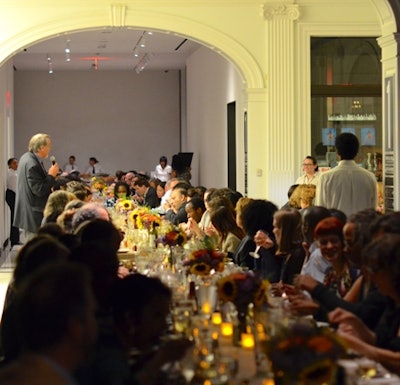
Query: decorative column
{"type": "Point", "coordinates": [280, 104]}
{"type": "Point", "coordinates": [390, 45]}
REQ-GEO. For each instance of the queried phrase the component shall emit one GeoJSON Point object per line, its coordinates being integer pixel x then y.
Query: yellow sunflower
{"type": "Point", "coordinates": [227, 289]}
{"type": "Point", "coordinates": [124, 205]}
{"type": "Point", "coordinates": [200, 268]}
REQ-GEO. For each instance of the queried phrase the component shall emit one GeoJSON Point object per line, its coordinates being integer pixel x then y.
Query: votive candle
{"type": "Point", "coordinates": [247, 340]}
{"type": "Point", "coordinates": [206, 308]}
{"type": "Point", "coordinates": [216, 318]}
{"type": "Point", "coordinates": [226, 329]}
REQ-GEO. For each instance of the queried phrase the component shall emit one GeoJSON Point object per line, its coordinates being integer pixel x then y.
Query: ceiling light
{"type": "Point", "coordinates": [141, 65]}
{"type": "Point", "coordinates": [67, 52]}
{"type": "Point", "coordinates": [49, 64]}
{"type": "Point", "coordinates": [142, 42]}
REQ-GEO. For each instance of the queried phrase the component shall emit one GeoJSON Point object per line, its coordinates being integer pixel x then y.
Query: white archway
{"type": "Point", "coordinates": [221, 43]}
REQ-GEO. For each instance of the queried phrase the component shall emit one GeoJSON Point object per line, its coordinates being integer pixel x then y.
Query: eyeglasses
{"type": "Point", "coordinates": [308, 164]}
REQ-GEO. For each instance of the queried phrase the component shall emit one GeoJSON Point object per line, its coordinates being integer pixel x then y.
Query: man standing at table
{"type": "Point", "coordinates": [347, 187]}
{"type": "Point", "coordinates": [10, 197]}
{"type": "Point", "coordinates": [34, 185]}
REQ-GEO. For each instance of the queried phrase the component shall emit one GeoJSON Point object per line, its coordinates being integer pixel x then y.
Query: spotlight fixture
{"type": "Point", "coordinates": [67, 51]}
{"type": "Point", "coordinates": [49, 64]}
{"type": "Point", "coordinates": [141, 65]}
{"type": "Point", "coordinates": [141, 43]}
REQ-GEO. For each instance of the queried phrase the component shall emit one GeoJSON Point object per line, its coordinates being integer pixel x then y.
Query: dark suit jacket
{"type": "Point", "coordinates": [179, 217]}
{"type": "Point", "coordinates": [33, 188]}
{"type": "Point", "coordinates": [150, 198]}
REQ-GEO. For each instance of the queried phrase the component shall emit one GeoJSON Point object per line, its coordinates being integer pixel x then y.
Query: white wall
{"type": "Point", "coordinates": [125, 120]}
{"type": "Point", "coordinates": [212, 83]}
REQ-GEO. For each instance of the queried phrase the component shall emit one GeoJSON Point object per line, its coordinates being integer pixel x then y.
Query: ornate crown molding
{"type": "Point", "coordinates": [280, 11]}
{"type": "Point", "coordinates": [117, 13]}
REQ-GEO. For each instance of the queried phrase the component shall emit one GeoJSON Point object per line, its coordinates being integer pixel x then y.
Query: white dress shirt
{"type": "Point", "coordinates": [347, 187]}
{"type": "Point", "coordinates": [163, 173]}
{"type": "Point", "coordinates": [12, 180]}
{"type": "Point", "coordinates": [305, 180]}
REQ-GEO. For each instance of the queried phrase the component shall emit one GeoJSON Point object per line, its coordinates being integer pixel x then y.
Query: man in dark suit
{"type": "Point", "coordinates": [145, 194]}
{"type": "Point", "coordinates": [34, 185]}
{"type": "Point", "coordinates": [177, 212]}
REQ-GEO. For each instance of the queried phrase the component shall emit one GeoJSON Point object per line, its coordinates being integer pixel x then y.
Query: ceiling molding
{"type": "Point", "coordinates": [118, 13]}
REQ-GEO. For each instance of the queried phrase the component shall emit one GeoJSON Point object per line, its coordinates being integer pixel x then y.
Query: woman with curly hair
{"type": "Point", "coordinates": [303, 196]}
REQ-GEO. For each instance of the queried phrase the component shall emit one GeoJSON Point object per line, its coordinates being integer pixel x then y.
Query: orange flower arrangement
{"type": "Point", "coordinates": [144, 218]}
{"type": "Point", "coordinates": [304, 352]}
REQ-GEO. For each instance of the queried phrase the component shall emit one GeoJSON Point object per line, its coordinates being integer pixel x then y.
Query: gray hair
{"type": "Point", "coordinates": [37, 142]}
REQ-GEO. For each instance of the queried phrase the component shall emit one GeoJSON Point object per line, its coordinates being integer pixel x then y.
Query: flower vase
{"type": "Point", "coordinates": [240, 326]}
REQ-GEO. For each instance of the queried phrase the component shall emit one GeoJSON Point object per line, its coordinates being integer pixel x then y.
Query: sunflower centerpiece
{"type": "Point", "coordinates": [174, 238]}
{"type": "Point", "coordinates": [143, 218]}
{"type": "Point", "coordinates": [304, 354]}
{"type": "Point", "coordinates": [205, 260]}
{"type": "Point", "coordinates": [242, 289]}
{"type": "Point", "coordinates": [98, 183]}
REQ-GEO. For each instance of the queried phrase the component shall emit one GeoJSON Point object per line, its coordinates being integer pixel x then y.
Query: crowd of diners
{"type": "Point", "coordinates": [73, 315]}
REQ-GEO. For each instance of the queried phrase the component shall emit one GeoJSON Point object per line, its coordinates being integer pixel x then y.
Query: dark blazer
{"type": "Point", "coordinates": [150, 198]}
{"type": "Point", "coordinates": [179, 217]}
{"type": "Point", "coordinates": [34, 186]}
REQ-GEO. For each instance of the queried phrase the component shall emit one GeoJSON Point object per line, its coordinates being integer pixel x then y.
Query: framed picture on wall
{"type": "Point", "coordinates": [368, 136]}
{"type": "Point", "coordinates": [328, 136]}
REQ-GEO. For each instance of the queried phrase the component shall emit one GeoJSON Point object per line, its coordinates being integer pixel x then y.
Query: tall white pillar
{"type": "Point", "coordinates": [276, 146]}
{"type": "Point", "coordinates": [390, 45]}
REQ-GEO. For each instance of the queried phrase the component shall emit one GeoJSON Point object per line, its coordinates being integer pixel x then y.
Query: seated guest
{"type": "Point", "coordinates": [230, 234]}
{"type": "Point", "coordinates": [381, 258]}
{"type": "Point", "coordinates": [87, 212]}
{"type": "Point", "coordinates": [339, 276]}
{"type": "Point", "coordinates": [288, 236]}
{"type": "Point", "coordinates": [94, 167]}
{"type": "Point", "coordinates": [131, 351]}
{"type": "Point", "coordinates": [177, 212]}
{"type": "Point", "coordinates": [160, 191]}
{"type": "Point", "coordinates": [55, 205]}
{"type": "Point", "coordinates": [303, 196]}
{"type": "Point", "coordinates": [290, 203]}
{"type": "Point", "coordinates": [36, 253]}
{"type": "Point", "coordinates": [195, 209]}
{"type": "Point", "coordinates": [121, 191]}
{"type": "Point", "coordinates": [247, 243]}
{"type": "Point", "coordinates": [57, 326]}
{"type": "Point", "coordinates": [257, 216]}
{"type": "Point", "coordinates": [145, 194]}
{"type": "Point", "coordinates": [363, 299]}
{"type": "Point", "coordinates": [71, 166]}
{"type": "Point", "coordinates": [81, 190]}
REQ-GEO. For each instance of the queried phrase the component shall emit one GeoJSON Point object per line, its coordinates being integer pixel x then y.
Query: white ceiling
{"type": "Point", "coordinates": [108, 49]}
